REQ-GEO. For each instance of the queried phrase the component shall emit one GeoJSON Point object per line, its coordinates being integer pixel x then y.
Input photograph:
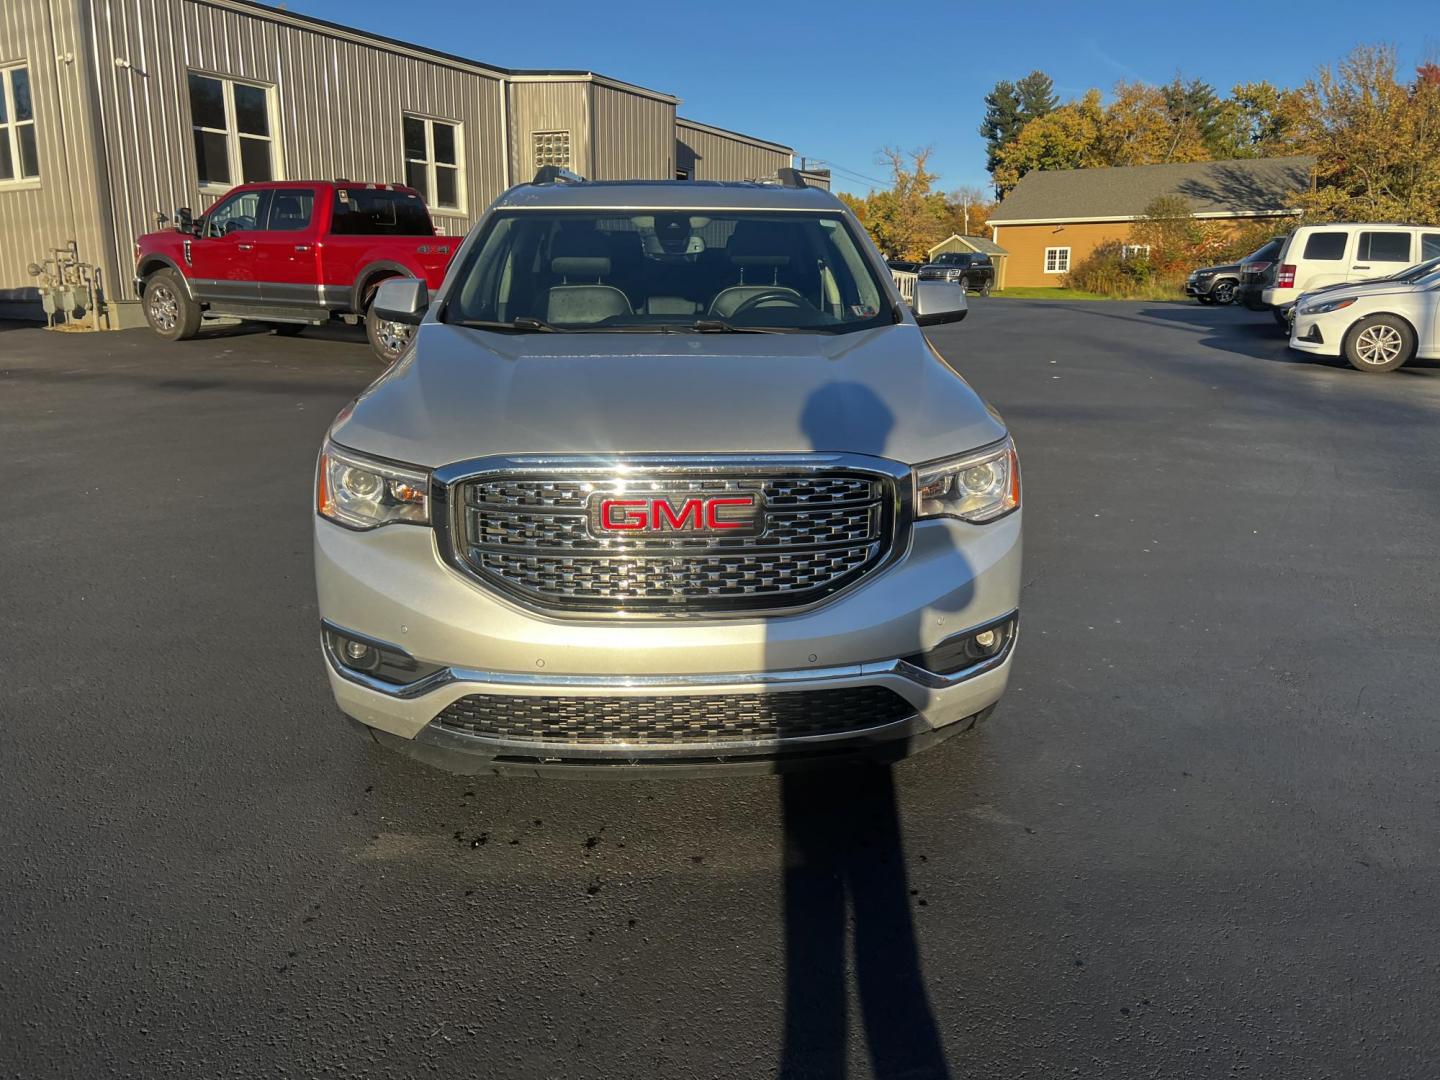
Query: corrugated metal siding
{"type": "Point", "coordinates": [48, 37]}
{"type": "Point", "coordinates": [634, 136]}
{"type": "Point", "coordinates": [549, 106]}
{"type": "Point", "coordinates": [339, 106]}
{"type": "Point", "coordinates": [719, 157]}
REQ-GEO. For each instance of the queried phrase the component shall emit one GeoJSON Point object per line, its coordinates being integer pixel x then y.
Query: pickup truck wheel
{"type": "Point", "coordinates": [1378, 344]}
{"type": "Point", "coordinates": [170, 313]}
{"type": "Point", "coordinates": [387, 339]}
{"type": "Point", "coordinates": [1223, 292]}
{"type": "Point", "coordinates": [985, 289]}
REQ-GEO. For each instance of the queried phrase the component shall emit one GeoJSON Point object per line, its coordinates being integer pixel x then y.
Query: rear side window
{"type": "Point", "coordinates": [1429, 246]}
{"type": "Point", "coordinates": [371, 212]}
{"type": "Point", "coordinates": [291, 210]}
{"type": "Point", "coordinates": [1384, 247]}
{"type": "Point", "coordinates": [1326, 246]}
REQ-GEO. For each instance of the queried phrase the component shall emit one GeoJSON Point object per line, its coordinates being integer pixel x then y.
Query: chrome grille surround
{"type": "Point", "coordinates": [521, 526]}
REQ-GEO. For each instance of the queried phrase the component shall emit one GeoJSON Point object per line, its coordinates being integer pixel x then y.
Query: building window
{"type": "Point", "coordinates": [551, 148]}
{"type": "Point", "coordinates": [1057, 260]}
{"type": "Point", "coordinates": [234, 135]}
{"type": "Point", "coordinates": [432, 160]}
{"type": "Point", "coordinates": [19, 157]}
{"type": "Point", "coordinates": [1134, 251]}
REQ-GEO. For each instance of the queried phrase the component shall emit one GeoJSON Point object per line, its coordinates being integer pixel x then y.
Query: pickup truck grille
{"type": "Point", "coordinates": [538, 538]}
{"type": "Point", "coordinates": [681, 720]}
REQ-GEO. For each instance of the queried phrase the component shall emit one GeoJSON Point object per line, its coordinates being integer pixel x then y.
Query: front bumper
{"type": "Point", "coordinates": [391, 585]}
{"type": "Point", "coordinates": [1198, 288]}
{"type": "Point", "coordinates": [1317, 334]}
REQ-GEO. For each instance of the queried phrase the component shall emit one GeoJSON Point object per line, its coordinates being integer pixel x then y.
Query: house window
{"type": "Point", "coordinates": [551, 148]}
{"type": "Point", "coordinates": [1057, 260]}
{"type": "Point", "coordinates": [1134, 251]}
{"type": "Point", "coordinates": [234, 133]}
{"type": "Point", "coordinates": [432, 160]}
{"type": "Point", "coordinates": [19, 158]}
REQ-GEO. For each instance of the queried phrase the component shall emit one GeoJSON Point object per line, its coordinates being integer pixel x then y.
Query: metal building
{"type": "Point", "coordinates": [113, 111]}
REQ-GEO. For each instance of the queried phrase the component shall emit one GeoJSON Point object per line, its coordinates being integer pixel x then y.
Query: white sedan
{"type": "Point", "coordinates": [1377, 327]}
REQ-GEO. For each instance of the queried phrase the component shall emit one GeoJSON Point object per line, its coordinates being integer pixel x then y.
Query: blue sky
{"type": "Point", "coordinates": [839, 80]}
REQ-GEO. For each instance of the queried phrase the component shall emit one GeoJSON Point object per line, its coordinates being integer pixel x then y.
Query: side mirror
{"type": "Point", "coordinates": [184, 222]}
{"type": "Point", "coordinates": [402, 300]}
{"type": "Point", "coordinates": [939, 302]}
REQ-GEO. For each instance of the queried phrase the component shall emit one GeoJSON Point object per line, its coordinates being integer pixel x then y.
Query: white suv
{"type": "Point", "coordinates": [1317, 255]}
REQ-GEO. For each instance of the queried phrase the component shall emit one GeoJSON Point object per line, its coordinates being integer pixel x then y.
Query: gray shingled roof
{"type": "Point", "coordinates": [1246, 185]}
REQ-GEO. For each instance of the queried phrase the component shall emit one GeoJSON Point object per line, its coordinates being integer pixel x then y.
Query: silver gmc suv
{"type": "Point", "coordinates": [669, 476]}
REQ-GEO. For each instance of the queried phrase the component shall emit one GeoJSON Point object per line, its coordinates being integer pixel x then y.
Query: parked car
{"type": "Point", "coordinates": [972, 270]}
{"type": "Point", "coordinates": [1257, 273]}
{"type": "Point", "coordinates": [564, 529]}
{"type": "Point", "coordinates": [1377, 326]}
{"type": "Point", "coordinates": [1214, 284]}
{"type": "Point", "coordinates": [292, 254]}
{"type": "Point", "coordinates": [1316, 255]}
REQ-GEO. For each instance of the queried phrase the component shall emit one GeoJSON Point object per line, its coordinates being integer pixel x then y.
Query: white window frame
{"type": "Point", "coordinates": [232, 130]}
{"type": "Point", "coordinates": [535, 155]}
{"type": "Point", "coordinates": [1054, 256]}
{"type": "Point", "coordinates": [10, 129]}
{"type": "Point", "coordinates": [432, 191]}
{"type": "Point", "coordinates": [1134, 251]}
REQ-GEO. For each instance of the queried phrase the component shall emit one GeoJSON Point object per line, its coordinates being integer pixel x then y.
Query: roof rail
{"type": "Point", "coordinates": [784, 177]}
{"type": "Point", "coordinates": [555, 174]}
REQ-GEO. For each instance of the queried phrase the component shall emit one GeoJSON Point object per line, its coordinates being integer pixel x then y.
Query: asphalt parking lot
{"type": "Point", "coordinates": [1199, 838]}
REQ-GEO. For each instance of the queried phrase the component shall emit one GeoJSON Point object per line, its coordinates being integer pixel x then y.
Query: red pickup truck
{"type": "Point", "coordinates": [293, 254]}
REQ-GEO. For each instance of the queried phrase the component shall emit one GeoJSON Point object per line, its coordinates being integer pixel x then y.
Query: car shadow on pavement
{"type": "Point", "coordinates": [845, 871]}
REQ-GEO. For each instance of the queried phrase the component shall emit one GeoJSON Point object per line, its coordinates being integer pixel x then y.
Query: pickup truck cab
{"type": "Point", "coordinates": [294, 254]}
{"type": "Point", "coordinates": [972, 270]}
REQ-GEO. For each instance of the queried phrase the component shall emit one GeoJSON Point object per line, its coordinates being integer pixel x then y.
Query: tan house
{"type": "Point", "coordinates": [1052, 221]}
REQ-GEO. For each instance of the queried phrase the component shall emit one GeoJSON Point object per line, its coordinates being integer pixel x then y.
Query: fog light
{"type": "Point", "coordinates": [376, 659]}
{"type": "Point", "coordinates": [966, 650]}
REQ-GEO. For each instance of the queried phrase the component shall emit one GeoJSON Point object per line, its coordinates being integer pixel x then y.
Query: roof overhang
{"type": "Point", "coordinates": [725, 133]}
{"type": "Point", "coordinates": [1211, 214]}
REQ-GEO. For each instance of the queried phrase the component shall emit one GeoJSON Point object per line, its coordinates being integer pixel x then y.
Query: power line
{"type": "Point", "coordinates": [848, 172]}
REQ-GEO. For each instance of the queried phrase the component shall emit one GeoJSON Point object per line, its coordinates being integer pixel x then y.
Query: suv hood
{"type": "Point", "coordinates": [464, 393]}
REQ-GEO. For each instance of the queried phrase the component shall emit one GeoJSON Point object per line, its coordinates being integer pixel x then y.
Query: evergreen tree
{"type": "Point", "coordinates": [1002, 122]}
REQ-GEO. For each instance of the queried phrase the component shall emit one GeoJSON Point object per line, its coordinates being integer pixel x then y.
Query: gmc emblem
{"type": "Point", "coordinates": [655, 513]}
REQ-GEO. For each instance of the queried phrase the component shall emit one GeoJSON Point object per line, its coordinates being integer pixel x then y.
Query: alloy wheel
{"type": "Point", "coordinates": [1379, 344]}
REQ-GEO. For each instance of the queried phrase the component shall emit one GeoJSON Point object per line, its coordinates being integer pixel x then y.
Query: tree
{"type": "Point", "coordinates": [1009, 107]}
{"type": "Point", "coordinates": [1067, 138]}
{"type": "Point", "coordinates": [1257, 120]}
{"type": "Point", "coordinates": [1002, 121]}
{"type": "Point", "coordinates": [1170, 230]}
{"type": "Point", "coordinates": [1140, 128]}
{"type": "Point", "coordinates": [968, 211]}
{"type": "Point", "coordinates": [1196, 107]}
{"type": "Point", "coordinates": [907, 219]}
{"type": "Point", "coordinates": [1375, 140]}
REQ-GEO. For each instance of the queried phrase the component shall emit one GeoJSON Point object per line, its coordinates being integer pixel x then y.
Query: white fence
{"type": "Point", "coordinates": [905, 282]}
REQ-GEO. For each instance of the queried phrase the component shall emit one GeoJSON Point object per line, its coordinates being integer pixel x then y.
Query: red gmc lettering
{"type": "Point", "coordinates": [712, 513]}
{"type": "Point", "coordinates": [627, 518]}
{"type": "Point", "coordinates": [663, 511]}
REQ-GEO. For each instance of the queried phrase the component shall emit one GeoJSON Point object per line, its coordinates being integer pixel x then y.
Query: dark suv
{"type": "Point", "coordinates": [1257, 273]}
{"type": "Point", "coordinates": [973, 270]}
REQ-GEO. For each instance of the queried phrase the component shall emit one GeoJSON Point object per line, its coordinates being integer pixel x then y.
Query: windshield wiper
{"type": "Point", "coordinates": [525, 324]}
{"type": "Point", "coordinates": [720, 326]}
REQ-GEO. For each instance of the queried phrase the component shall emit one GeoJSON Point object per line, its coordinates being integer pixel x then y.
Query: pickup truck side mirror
{"type": "Point", "coordinates": [938, 302]}
{"type": "Point", "coordinates": [402, 300]}
{"type": "Point", "coordinates": [184, 222]}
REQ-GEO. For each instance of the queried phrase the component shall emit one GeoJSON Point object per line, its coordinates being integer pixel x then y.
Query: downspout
{"type": "Point", "coordinates": [104, 208]}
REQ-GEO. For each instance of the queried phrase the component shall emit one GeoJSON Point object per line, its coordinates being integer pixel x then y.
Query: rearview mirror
{"type": "Point", "coordinates": [183, 220]}
{"type": "Point", "coordinates": [402, 300]}
{"type": "Point", "coordinates": [939, 302]}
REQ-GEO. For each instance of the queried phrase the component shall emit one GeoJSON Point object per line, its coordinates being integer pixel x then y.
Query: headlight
{"type": "Point", "coordinates": [978, 487]}
{"type": "Point", "coordinates": [364, 493]}
{"type": "Point", "coordinates": [1326, 305]}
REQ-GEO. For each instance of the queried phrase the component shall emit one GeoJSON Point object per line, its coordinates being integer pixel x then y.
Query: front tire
{"type": "Point", "coordinates": [1379, 344]}
{"type": "Point", "coordinates": [387, 339]}
{"type": "Point", "coordinates": [168, 308]}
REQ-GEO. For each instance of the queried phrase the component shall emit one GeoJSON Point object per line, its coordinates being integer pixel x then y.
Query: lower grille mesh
{"type": "Point", "coordinates": [674, 720]}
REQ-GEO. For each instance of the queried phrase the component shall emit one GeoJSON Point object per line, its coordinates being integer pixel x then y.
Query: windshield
{"type": "Point", "coordinates": [1418, 271]}
{"type": "Point", "coordinates": [667, 271]}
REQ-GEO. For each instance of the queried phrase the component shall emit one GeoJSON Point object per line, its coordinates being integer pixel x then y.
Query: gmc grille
{"type": "Point", "coordinates": [683, 720]}
{"type": "Point", "coordinates": [535, 538]}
